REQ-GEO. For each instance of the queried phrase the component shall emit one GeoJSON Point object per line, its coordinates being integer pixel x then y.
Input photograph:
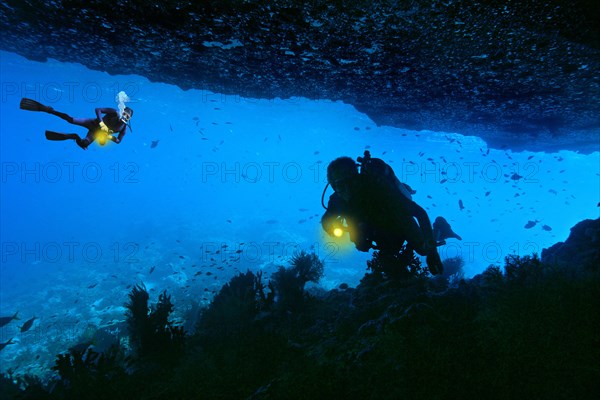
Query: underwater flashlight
{"type": "Point", "coordinates": [102, 137]}
{"type": "Point", "coordinates": [338, 227]}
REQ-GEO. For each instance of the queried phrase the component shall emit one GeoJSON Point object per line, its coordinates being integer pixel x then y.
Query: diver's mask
{"type": "Point", "coordinates": [125, 117]}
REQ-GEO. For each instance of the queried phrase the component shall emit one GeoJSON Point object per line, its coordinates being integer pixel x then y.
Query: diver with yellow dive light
{"type": "Point", "coordinates": [109, 124]}
{"type": "Point", "coordinates": [377, 211]}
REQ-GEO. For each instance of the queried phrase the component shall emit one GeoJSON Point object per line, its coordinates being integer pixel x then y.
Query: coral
{"type": "Point", "coordinates": [454, 266]}
{"type": "Point", "coordinates": [523, 270]}
{"type": "Point", "coordinates": [403, 264]}
{"type": "Point", "coordinates": [236, 305]}
{"type": "Point", "coordinates": [89, 374]}
{"type": "Point", "coordinates": [453, 270]}
{"type": "Point", "coordinates": [289, 282]}
{"type": "Point", "coordinates": [392, 338]}
{"type": "Point", "coordinates": [151, 333]}
{"type": "Point", "coordinates": [307, 267]}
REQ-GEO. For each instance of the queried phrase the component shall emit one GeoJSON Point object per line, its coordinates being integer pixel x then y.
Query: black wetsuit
{"type": "Point", "coordinates": [111, 120]}
{"type": "Point", "coordinates": [379, 213]}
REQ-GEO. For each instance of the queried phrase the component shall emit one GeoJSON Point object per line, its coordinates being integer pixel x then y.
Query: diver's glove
{"type": "Point", "coordinates": [104, 127]}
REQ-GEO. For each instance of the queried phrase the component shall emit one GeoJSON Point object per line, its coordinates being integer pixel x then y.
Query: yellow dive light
{"type": "Point", "coordinates": [103, 135]}
{"type": "Point", "coordinates": [338, 232]}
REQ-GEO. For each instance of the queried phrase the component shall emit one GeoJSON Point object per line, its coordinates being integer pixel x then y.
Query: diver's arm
{"type": "Point", "coordinates": [332, 214]}
{"type": "Point", "coordinates": [122, 132]}
{"type": "Point", "coordinates": [328, 221]}
{"type": "Point", "coordinates": [99, 112]}
{"type": "Point", "coordinates": [104, 110]}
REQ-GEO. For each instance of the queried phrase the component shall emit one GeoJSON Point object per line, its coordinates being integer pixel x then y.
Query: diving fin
{"type": "Point", "coordinates": [55, 136]}
{"type": "Point", "coordinates": [32, 105]}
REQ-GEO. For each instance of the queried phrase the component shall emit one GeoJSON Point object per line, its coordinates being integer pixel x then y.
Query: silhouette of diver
{"type": "Point", "coordinates": [378, 210]}
{"type": "Point", "coordinates": [101, 128]}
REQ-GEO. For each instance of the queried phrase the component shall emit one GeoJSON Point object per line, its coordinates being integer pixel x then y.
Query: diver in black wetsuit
{"type": "Point", "coordinates": [379, 211]}
{"type": "Point", "coordinates": [102, 128]}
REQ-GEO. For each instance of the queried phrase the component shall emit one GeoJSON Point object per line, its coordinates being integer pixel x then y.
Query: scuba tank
{"type": "Point", "coordinates": [379, 169]}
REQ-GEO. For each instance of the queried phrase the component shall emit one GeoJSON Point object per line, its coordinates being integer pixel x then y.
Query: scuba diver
{"type": "Point", "coordinates": [378, 212]}
{"type": "Point", "coordinates": [102, 128]}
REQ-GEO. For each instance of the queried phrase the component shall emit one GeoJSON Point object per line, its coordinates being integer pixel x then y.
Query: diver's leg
{"type": "Point", "coordinates": [414, 237]}
{"type": "Point", "coordinates": [56, 136]}
{"type": "Point", "coordinates": [424, 223]}
{"type": "Point", "coordinates": [85, 142]}
{"type": "Point", "coordinates": [60, 115]}
{"type": "Point", "coordinates": [424, 246]}
{"type": "Point", "coordinates": [88, 123]}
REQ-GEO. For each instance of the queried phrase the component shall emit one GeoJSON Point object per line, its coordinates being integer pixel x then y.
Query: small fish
{"type": "Point", "coordinates": [154, 144]}
{"type": "Point", "coordinates": [93, 285]}
{"type": "Point", "coordinates": [3, 345]}
{"type": "Point", "coordinates": [487, 194]}
{"type": "Point", "coordinates": [356, 128]}
{"type": "Point", "coordinates": [546, 228]}
{"type": "Point", "coordinates": [27, 325]}
{"type": "Point", "coordinates": [5, 320]}
{"type": "Point", "coordinates": [530, 157]}
{"type": "Point", "coordinates": [515, 177]}
{"type": "Point", "coordinates": [171, 126]}
{"type": "Point", "coordinates": [530, 224]}
{"type": "Point", "coordinates": [460, 205]}
{"type": "Point", "coordinates": [152, 269]}
{"type": "Point", "coordinates": [443, 180]}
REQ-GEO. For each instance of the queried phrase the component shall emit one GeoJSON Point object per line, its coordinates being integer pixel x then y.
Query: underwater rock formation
{"type": "Point", "coordinates": [529, 331]}
{"type": "Point", "coordinates": [582, 247]}
{"type": "Point", "coordinates": [520, 74]}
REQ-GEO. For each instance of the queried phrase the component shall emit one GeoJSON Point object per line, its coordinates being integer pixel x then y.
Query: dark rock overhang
{"type": "Point", "coordinates": [519, 74]}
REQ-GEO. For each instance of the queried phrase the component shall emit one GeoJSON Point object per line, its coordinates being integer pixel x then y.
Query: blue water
{"type": "Point", "coordinates": [233, 184]}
